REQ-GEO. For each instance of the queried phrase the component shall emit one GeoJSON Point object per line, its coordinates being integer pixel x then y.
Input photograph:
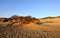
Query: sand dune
{"type": "Point", "coordinates": [50, 28]}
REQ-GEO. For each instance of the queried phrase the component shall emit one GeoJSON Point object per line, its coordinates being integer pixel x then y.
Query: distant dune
{"type": "Point", "coordinates": [30, 27]}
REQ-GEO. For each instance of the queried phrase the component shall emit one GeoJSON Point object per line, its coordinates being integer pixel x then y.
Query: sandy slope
{"type": "Point", "coordinates": [50, 29]}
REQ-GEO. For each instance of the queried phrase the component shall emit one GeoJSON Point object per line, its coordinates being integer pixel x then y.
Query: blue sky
{"type": "Point", "coordinates": [36, 8]}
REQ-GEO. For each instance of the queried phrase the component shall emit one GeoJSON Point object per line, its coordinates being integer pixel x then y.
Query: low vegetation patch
{"type": "Point", "coordinates": [49, 17]}
{"type": "Point", "coordinates": [20, 19]}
